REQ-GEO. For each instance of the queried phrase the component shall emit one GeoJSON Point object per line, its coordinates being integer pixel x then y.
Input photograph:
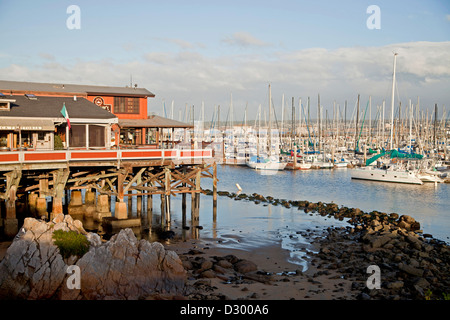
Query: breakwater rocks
{"type": "Point", "coordinates": [121, 268]}
{"type": "Point", "coordinates": [412, 265]}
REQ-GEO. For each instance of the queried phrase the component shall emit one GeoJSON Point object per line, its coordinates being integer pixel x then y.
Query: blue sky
{"type": "Point", "coordinates": [194, 51]}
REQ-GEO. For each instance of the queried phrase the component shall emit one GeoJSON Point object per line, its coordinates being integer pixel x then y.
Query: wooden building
{"type": "Point", "coordinates": [127, 103]}
{"type": "Point", "coordinates": [40, 157]}
{"type": "Point", "coordinates": [29, 122]}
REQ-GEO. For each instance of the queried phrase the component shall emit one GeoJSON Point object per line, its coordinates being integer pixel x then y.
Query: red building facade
{"type": "Point", "coordinates": [124, 102]}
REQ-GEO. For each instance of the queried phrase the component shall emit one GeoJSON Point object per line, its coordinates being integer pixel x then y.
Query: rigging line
{"type": "Point", "coordinates": [362, 125]}
{"type": "Point", "coordinates": [307, 127]}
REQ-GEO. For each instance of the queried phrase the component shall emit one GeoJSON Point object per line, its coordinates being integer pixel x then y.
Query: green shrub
{"type": "Point", "coordinates": [71, 243]}
{"type": "Point", "coordinates": [58, 143]}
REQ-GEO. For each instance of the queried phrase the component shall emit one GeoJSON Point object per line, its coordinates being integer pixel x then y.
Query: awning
{"type": "Point", "coordinates": [153, 122]}
{"type": "Point", "coordinates": [26, 125]}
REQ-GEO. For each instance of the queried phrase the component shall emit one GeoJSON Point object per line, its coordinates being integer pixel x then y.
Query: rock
{"type": "Point", "coordinates": [224, 264]}
{"type": "Point", "coordinates": [187, 265]}
{"type": "Point", "coordinates": [219, 269]}
{"type": "Point", "coordinates": [363, 296]}
{"type": "Point", "coordinates": [421, 282]}
{"type": "Point", "coordinates": [404, 225]}
{"type": "Point", "coordinates": [245, 266]}
{"type": "Point", "coordinates": [377, 241]}
{"type": "Point", "coordinates": [207, 274]}
{"type": "Point", "coordinates": [231, 258]}
{"type": "Point", "coordinates": [395, 285]}
{"type": "Point", "coordinates": [206, 265]}
{"type": "Point", "coordinates": [407, 219]}
{"type": "Point", "coordinates": [122, 268]}
{"type": "Point", "coordinates": [411, 270]}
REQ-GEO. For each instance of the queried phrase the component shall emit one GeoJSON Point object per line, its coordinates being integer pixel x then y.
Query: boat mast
{"type": "Point", "coordinates": [270, 121]}
{"type": "Point", "coordinates": [392, 104]}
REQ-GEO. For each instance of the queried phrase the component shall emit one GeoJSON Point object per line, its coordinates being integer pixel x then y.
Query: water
{"type": "Point", "coordinates": [428, 204]}
{"type": "Point", "coordinates": [245, 225]}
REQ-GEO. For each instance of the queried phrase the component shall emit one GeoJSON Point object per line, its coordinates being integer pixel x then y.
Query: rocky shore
{"type": "Point", "coordinates": [33, 267]}
{"type": "Point", "coordinates": [411, 265]}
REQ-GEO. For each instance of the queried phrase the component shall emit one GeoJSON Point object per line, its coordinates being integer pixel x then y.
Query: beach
{"type": "Point", "coordinates": [275, 278]}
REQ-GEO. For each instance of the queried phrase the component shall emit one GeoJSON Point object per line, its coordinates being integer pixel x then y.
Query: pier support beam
{"type": "Point", "coordinates": [166, 196]}
{"type": "Point", "coordinates": [89, 203]}
{"type": "Point", "coordinates": [60, 177]}
{"type": "Point", "coordinates": [102, 209]}
{"type": "Point", "coordinates": [32, 198]}
{"type": "Point", "coordinates": [57, 207]}
{"type": "Point", "coordinates": [215, 182]}
{"type": "Point", "coordinates": [121, 211]}
{"type": "Point", "coordinates": [11, 224]}
{"type": "Point", "coordinates": [41, 207]}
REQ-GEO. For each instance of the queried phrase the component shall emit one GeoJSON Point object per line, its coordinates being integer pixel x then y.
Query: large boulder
{"type": "Point", "coordinates": [122, 268]}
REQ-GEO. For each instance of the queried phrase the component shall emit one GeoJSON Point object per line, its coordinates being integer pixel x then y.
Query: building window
{"type": "Point", "coordinates": [96, 136]}
{"type": "Point", "coordinates": [77, 136]}
{"type": "Point", "coordinates": [126, 105]}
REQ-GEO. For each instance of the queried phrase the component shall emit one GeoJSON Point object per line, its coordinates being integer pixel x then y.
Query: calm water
{"type": "Point", "coordinates": [429, 204]}
{"type": "Point", "coordinates": [245, 225]}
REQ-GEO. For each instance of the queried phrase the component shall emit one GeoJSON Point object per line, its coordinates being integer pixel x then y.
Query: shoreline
{"type": "Point", "coordinates": [412, 265]}
{"type": "Point", "coordinates": [275, 278]}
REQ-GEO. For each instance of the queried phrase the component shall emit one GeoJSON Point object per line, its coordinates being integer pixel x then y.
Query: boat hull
{"type": "Point", "coordinates": [381, 175]}
{"type": "Point", "coordinates": [267, 165]}
{"type": "Point", "coordinates": [299, 166]}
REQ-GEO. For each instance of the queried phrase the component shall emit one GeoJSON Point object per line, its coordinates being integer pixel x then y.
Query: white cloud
{"type": "Point", "coordinates": [188, 77]}
{"type": "Point", "coordinates": [448, 17]}
{"type": "Point", "coordinates": [244, 39]}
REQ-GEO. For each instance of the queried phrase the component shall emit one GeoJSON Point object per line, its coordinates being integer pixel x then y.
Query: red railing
{"type": "Point", "coordinates": [25, 157]}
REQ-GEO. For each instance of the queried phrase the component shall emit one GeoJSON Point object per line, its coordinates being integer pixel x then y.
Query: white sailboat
{"type": "Point", "coordinates": [271, 161]}
{"type": "Point", "coordinates": [392, 172]}
{"type": "Point", "coordinates": [387, 173]}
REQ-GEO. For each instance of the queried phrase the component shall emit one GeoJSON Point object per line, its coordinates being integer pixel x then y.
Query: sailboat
{"type": "Point", "coordinates": [390, 172]}
{"type": "Point", "coordinates": [269, 161]}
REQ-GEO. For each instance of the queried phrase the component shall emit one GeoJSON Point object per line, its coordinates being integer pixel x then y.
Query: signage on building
{"type": "Point", "coordinates": [101, 103]}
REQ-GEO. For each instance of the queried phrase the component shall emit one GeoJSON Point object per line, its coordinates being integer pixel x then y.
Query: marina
{"type": "Point", "coordinates": [150, 152]}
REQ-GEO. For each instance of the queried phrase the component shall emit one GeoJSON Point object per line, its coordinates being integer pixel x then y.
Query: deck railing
{"type": "Point", "coordinates": [177, 155]}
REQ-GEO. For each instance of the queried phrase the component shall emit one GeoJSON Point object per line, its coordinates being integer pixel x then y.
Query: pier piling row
{"type": "Point", "coordinates": [34, 177]}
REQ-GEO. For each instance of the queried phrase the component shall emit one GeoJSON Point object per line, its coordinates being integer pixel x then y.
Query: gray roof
{"type": "Point", "coordinates": [152, 122]}
{"type": "Point", "coordinates": [8, 86]}
{"type": "Point", "coordinates": [50, 107]}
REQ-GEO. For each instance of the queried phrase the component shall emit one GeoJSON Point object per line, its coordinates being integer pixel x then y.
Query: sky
{"type": "Point", "coordinates": [211, 53]}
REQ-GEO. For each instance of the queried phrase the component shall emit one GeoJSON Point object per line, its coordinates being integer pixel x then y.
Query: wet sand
{"type": "Point", "coordinates": [287, 281]}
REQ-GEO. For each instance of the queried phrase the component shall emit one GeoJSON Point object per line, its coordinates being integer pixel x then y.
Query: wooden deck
{"type": "Point", "coordinates": [32, 176]}
{"type": "Point", "coordinates": [30, 160]}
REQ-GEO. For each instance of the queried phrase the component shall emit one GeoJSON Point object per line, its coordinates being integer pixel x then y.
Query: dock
{"type": "Point", "coordinates": [33, 176]}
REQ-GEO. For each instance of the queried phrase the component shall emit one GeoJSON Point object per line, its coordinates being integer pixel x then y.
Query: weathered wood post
{"type": "Point", "coordinates": [120, 211]}
{"type": "Point", "coordinates": [168, 178]}
{"type": "Point", "coordinates": [11, 224]}
{"type": "Point", "coordinates": [41, 202]}
{"type": "Point", "coordinates": [215, 183]}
